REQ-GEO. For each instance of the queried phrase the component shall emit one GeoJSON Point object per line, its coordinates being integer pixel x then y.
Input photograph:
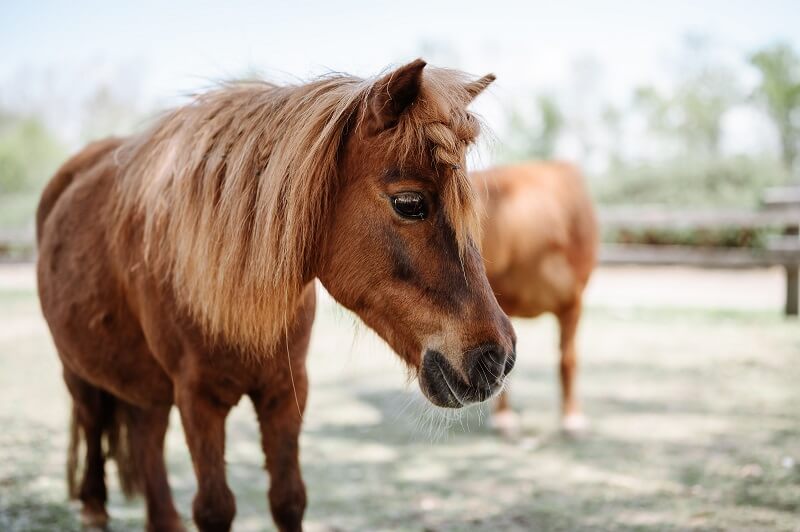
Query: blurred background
{"type": "Point", "coordinates": [670, 102]}
{"type": "Point", "coordinates": [685, 117]}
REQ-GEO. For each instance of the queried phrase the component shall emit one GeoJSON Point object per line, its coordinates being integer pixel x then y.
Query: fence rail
{"type": "Point", "coordinates": [697, 256]}
{"type": "Point", "coordinates": [17, 246]}
{"type": "Point", "coordinates": [649, 218]}
{"type": "Point", "coordinates": [780, 210]}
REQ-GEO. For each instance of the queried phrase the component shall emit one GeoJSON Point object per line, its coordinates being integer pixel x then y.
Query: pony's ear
{"type": "Point", "coordinates": [474, 88]}
{"type": "Point", "coordinates": [393, 94]}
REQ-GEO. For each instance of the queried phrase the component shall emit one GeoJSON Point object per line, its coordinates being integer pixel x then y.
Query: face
{"type": "Point", "coordinates": [392, 258]}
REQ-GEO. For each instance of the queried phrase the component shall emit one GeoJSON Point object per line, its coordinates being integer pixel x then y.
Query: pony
{"type": "Point", "coordinates": [178, 267]}
{"type": "Point", "coordinates": [540, 243]}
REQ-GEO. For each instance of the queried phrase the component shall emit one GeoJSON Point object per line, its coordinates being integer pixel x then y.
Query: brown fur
{"type": "Point", "coordinates": [178, 266]}
{"type": "Point", "coordinates": [539, 248]}
{"type": "Point", "coordinates": [248, 157]}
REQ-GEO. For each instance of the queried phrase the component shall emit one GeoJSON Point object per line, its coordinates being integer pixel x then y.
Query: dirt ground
{"type": "Point", "coordinates": [690, 380]}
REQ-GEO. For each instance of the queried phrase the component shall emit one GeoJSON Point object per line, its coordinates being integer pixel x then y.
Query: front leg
{"type": "Point", "coordinates": [280, 418]}
{"type": "Point", "coordinates": [203, 417]}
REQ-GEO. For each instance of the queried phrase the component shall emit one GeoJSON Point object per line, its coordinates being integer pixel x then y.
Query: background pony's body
{"type": "Point", "coordinates": [539, 248]}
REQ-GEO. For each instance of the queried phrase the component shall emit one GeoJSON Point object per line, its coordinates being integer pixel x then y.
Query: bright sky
{"type": "Point", "coordinates": [173, 47]}
{"type": "Point", "coordinates": [183, 41]}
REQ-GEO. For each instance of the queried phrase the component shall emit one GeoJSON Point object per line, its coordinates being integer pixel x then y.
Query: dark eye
{"type": "Point", "coordinates": [410, 205]}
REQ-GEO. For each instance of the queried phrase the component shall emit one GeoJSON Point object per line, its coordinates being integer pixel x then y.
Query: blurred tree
{"type": "Point", "coordinates": [779, 92]}
{"type": "Point", "coordinates": [107, 112]}
{"type": "Point", "coordinates": [702, 102]}
{"type": "Point", "coordinates": [612, 120]}
{"type": "Point", "coordinates": [691, 115]}
{"type": "Point", "coordinates": [535, 135]}
{"type": "Point", "coordinates": [29, 152]}
{"type": "Point", "coordinates": [656, 109]}
{"type": "Point", "coordinates": [585, 96]}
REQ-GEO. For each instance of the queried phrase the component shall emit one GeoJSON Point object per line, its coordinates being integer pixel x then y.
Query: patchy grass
{"type": "Point", "coordinates": [694, 425]}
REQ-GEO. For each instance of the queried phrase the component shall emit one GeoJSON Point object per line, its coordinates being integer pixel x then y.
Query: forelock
{"type": "Point", "coordinates": [439, 129]}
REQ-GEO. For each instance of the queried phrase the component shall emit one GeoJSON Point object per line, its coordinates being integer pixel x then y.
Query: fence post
{"type": "Point", "coordinates": [792, 285]}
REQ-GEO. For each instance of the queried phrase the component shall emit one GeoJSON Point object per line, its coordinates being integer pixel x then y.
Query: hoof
{"type": "Point", "coordinates": [94, 519]}
{"type": "Point", "coordinates": [507, 423]}
{"type": "Point", "coordinates": [574, 423]}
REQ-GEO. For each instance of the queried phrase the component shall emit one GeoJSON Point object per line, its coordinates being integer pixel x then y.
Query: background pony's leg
{"type": "Point", "coordinates": [504, 419]}
{"type": "Point", "coordinates": [91, 415]}
{"type": "Point", "coordinates": [572, 419]}
{"type": "Point", "coordinates": [280, 420]}
{"type": "Point", "coordinates": [203, 418]}
{"type": "Point", "coordinates": [148, 428]}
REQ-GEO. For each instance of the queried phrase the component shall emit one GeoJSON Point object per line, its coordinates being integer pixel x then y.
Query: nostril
{"type": "Point", "coordinates": [486, 365]}
{"type": "Point", "coordinates": [511, 359]}
{"type": "Point", "coordinates": [496, 357]}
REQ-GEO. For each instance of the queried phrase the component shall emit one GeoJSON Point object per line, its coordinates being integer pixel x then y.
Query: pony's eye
{"type": "Point", "coordinates": [410, 205]}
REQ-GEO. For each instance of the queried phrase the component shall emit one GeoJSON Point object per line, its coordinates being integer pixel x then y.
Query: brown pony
{"type": "Point", "coordinates": [178, 267]}
{"type": "Point", "coordinates": [539, 249]}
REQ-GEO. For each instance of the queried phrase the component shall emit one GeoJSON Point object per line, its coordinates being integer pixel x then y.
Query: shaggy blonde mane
{"type": "Point", "coordinates": [231, 192]}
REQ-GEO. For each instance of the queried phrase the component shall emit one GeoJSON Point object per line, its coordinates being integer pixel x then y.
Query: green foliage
{"type": "Point", "coordinates": [29, 153]}
{"type": "Point", "coordinates": [534, 135]}
{"type": "Point", "coordinates": [684, 127]}
{"type": "Point", "coordinates": [692, 114]}
{"type": "Point", "coordinates": [17, 210]}
{"type": "Point", "coordinates": [779, 92]}
{"type": "Point", "coordinates": [732, 237]}
{"type": "Point", "coordinates": [733, 182]}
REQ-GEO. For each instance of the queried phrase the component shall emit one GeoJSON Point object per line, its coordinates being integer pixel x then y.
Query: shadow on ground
{"type": "Point", "coordinates": [694, 425]}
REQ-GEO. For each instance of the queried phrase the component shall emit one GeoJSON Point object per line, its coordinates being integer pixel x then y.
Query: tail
{"type": "Point", "coordinates": [74, 466]}
{"type": "Point", "coordinates": [117, 445]}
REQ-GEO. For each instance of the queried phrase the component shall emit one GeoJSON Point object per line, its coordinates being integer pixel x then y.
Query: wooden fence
{"type": "Point", "coordinates": [780, 211]}
{"type": "Point", "coordinates": [17, 246]}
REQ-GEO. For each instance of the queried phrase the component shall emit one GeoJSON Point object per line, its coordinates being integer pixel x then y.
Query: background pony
{"type": "Point", "coordinates": [178, 267]}
{"type": "Point", "coordinates": [540, 244]}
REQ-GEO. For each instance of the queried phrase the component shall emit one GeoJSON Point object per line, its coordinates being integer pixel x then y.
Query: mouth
{"type": "Point", "coordinates": [444, 387]}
